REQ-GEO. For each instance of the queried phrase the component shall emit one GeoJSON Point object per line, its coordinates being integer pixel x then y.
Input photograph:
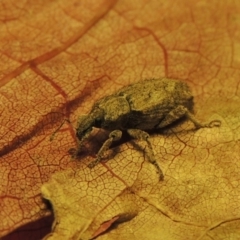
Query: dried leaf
{"type": "Point", "coordinates": [189, 201]}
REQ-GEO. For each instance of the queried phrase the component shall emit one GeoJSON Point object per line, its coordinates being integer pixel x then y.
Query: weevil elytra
{"type": "Point", "coordinates": [146, 105]}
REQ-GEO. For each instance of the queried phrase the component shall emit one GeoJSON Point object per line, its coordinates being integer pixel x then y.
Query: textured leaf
{"type": "Point", "coordinates": [58, 58]}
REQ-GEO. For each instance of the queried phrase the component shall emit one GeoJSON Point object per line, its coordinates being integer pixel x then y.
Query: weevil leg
{"type": "Point", "coordinates": [113, 136]}
{"type": "Point", "coordinates": [141, 135]}
{"type": "Point", "coordinates": [181, 111]}
{"type": "Point", "coordinates": [214, 123]}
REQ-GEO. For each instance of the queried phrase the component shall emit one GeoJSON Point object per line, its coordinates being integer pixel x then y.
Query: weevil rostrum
{"type": "Point", "coordinates": [145, 105]}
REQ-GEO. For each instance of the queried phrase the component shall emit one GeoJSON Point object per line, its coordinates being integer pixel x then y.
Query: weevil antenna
{"type": "Point", "coordinates": [54, 133]}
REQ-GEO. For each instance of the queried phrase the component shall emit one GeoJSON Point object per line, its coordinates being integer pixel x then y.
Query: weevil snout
{"type": "Point", "coordinates": [84, 126]}
{"type": "Point", "coordinates": [86, 123]}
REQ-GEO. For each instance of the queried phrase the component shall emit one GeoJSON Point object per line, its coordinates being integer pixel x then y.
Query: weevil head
{"type": "Point", "coordinates": [86, 123]}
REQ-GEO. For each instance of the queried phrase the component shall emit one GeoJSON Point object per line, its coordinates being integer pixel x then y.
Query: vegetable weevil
{"type": "Point", "coordinates": [146, 105]}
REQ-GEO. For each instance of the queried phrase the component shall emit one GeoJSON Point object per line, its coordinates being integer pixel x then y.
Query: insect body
{"type": "Point", "coordinates": [146, 105]}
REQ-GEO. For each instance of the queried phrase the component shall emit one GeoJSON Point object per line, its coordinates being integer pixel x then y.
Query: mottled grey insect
{"type": "Point", "coordinates": [142, 106]}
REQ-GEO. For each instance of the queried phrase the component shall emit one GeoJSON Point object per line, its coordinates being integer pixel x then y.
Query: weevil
{"type": "Point", "coordinates": [142, 106]}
